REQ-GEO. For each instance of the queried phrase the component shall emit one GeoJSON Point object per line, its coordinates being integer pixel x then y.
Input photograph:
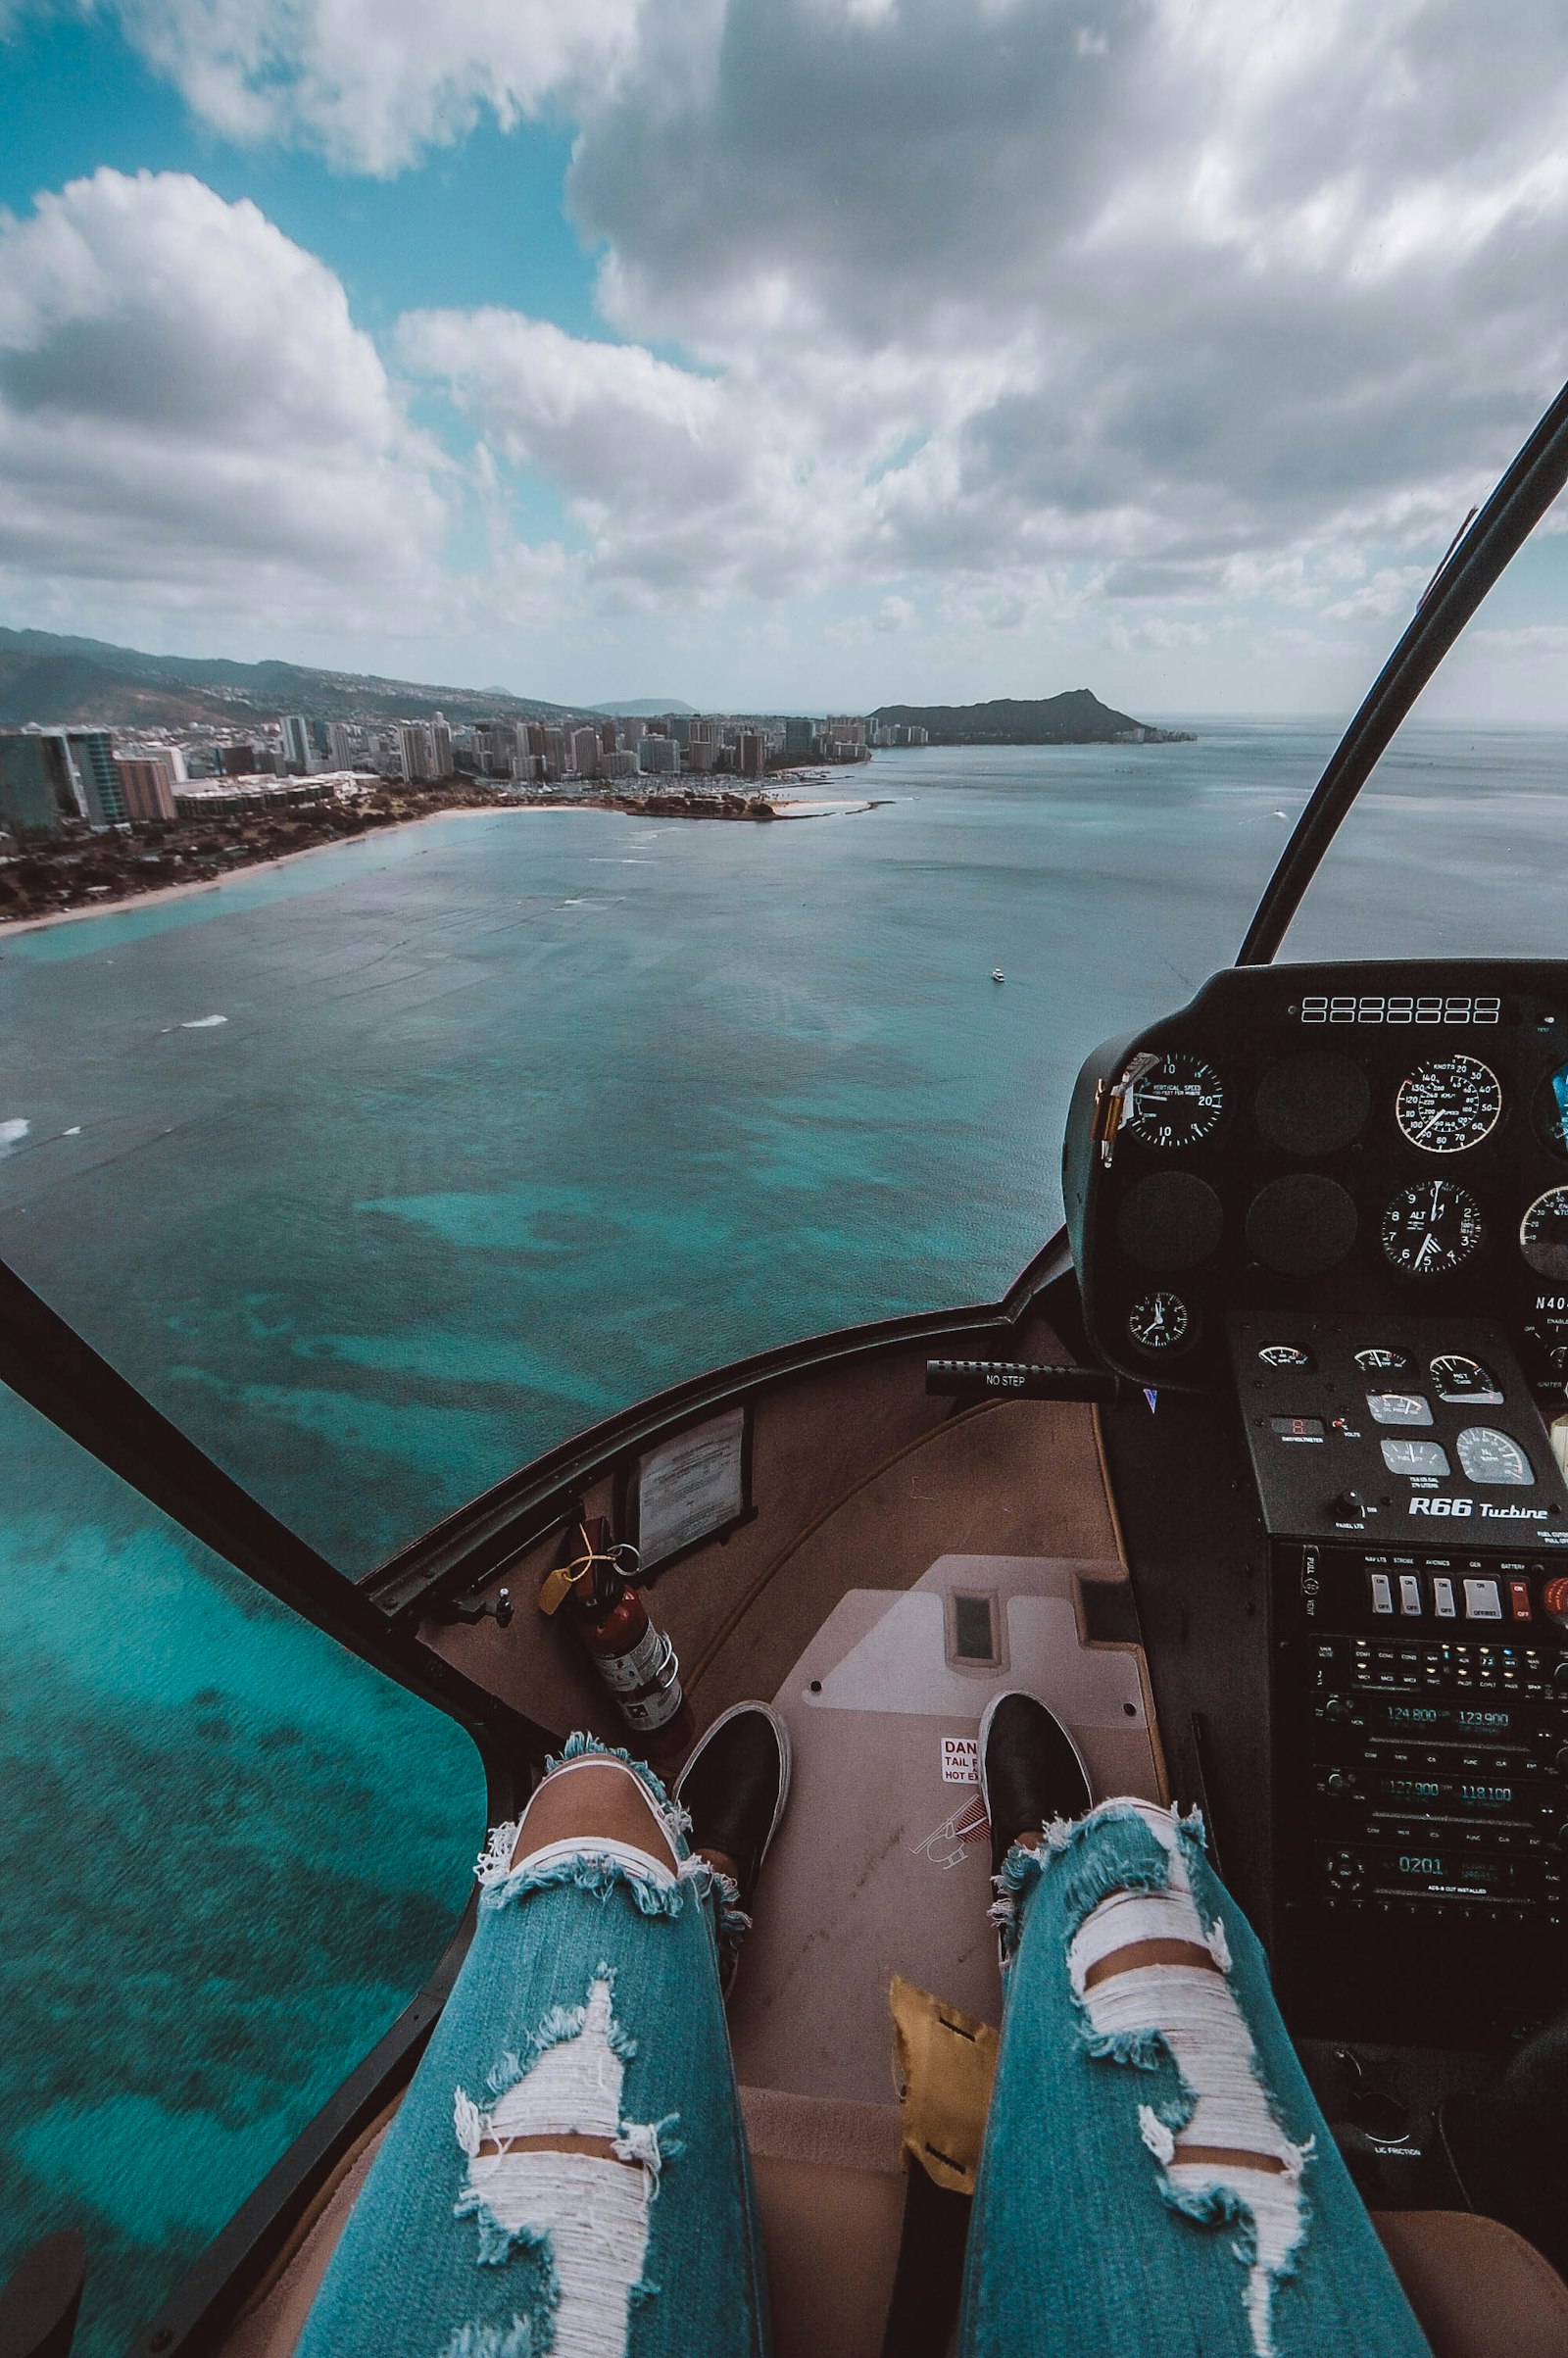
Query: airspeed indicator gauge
{"type": "Point", "coordinates": [1544, 1235]}
{"type": "Point", "coordinates": [1176, 1103]}
{"type": "Point", "coordinates": [1431, 1228]}
{"type": "Point", "coordinates": [1449, 1105]}
{"type": "Point", "coordinates": [1159, 1321]}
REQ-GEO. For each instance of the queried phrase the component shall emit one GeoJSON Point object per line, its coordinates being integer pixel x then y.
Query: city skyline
{"type": "Point", "coordinates": [823, 351]}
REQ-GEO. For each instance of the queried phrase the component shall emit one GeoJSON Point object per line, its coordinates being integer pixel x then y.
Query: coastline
{"type": "Point", "coordinates": [160, 893]}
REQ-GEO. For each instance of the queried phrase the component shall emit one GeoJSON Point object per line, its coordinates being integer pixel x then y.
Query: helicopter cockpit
{"type": "Point", "coordinates": [1256, 1477]}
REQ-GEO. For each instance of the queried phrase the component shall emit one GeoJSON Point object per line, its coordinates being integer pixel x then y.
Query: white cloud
{"type": "Point", "coordinates": [186, 406]}
{"type": "Point", "coordinates": [972, 292]}
{"type": "Point", "coordinates": [1032, 317]}
{"type": "Point", "coordinates": [896, 613]}
{"type": "Point", "coordinates": [374, 82]}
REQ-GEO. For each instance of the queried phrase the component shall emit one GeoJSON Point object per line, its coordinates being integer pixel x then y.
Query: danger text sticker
{"type": "Point", "coordinates": [960, 1761]}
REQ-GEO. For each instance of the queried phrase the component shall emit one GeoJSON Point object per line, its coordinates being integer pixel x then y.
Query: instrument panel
{"type": "Point", "coordinates": [1348, 1138]}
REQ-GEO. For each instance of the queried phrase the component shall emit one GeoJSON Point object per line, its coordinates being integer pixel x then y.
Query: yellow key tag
{"type": "Point", "coordinates": [556, 1586]}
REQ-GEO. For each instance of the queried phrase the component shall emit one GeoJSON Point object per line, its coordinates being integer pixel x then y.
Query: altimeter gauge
{"type": "Point", "coordinates": [1449, 1105]}
{"type": "Point", "coordinates": [1176, 1103]}
{"type": "Point", "coordinates": [1432, 1228]}
{"type": "Point", "coordinates": [1159, 1321]}
{"type": "Point", "coordinates": [1544, 1235]}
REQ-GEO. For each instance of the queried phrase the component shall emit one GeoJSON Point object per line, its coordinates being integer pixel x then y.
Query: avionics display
{"type": "Point", "coordinates": [1399, 1006]}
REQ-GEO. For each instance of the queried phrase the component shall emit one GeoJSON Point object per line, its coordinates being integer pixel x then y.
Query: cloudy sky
{"type": "Point", "coordinates": [783, 353]}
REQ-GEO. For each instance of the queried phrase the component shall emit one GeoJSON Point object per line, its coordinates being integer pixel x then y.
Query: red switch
{"type": "Point", "coordinates": [1519, 1599]}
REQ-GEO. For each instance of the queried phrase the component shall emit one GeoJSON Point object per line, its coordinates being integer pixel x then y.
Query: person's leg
{"type": "Point", "coordinates": [568, 2170]}
{"type": "Point", "coordinates": [1157, 2180]}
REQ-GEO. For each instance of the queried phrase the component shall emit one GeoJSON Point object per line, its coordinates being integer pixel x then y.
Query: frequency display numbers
{"type": "Point", "coordinates": [1399, 1008]}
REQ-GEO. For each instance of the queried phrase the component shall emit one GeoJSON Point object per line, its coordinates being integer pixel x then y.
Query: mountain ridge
{"type": "Point", "coordinates": [52, 678]}
{"type": "Point", "coordinates": [1074, 717]}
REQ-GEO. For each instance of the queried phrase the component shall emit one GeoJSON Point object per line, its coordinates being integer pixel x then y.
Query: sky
{"type": "Point", "coordinates": [784, 354]}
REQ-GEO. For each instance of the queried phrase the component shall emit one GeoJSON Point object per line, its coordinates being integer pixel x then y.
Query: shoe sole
{"type": "Point", "coordinates": [1072, 1742]}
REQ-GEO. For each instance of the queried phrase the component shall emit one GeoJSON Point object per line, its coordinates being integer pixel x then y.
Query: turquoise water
{"type": "Point", "coordinates": [509, 1120]}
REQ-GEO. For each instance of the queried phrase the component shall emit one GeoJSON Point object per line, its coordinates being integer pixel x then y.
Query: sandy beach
{"type": "Point", "coordinates": [10, 926]}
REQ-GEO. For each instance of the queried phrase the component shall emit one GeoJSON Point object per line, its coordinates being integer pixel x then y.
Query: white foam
{"type": "Point", "coordinates": [203, 1023]}
{"type": "Point", "coordinates": [12, 1134]}
{"type": "Point", "coordinates": [73, 1131]}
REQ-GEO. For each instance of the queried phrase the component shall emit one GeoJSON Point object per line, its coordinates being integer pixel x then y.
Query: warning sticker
{"type": "Point", "coordinates": [960, 1761]}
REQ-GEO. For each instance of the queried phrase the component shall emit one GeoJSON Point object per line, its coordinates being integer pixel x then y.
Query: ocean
{"type": "Point", "coordinates": [383, 1170]}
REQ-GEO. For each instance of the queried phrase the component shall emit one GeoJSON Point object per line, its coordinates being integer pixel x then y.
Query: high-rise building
{"type": "Point", "coordinates": [585, 750]}
{"type": "Point", "coordinates": [680, 728]}
{"type": "Point", "coordinates": [93, 751]}
{"type": "Point", "coordinates": [414, 744]}
{"type": "Point", "coordinates": [632, 733]}
{"type": "Point", "coordinates": [752, 754]}
{"type": "Point", "coordinates": [798, 735]}
{"type": "Point", "coordinates": [442, 764]}
{"type": "Point", "coordinates": [239, 761]}
{"type": "Point", "coordinates": [298, 750]}
{"type": "Point", "coordinates": [840, 728]}
{"type": "Point", "coordinates": [147, 787]}
{"type": "Point", "coordinates": [340, 746]}
{"type": "Point", "coordinates": [661, 754]}
{"type": "Point", "coordinates": [38, 788]}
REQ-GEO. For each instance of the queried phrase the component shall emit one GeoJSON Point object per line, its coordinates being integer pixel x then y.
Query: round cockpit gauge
{"type": "Point", "coordinates": [1432, 1228]}
{"type": "Point", "coordinates": [1454, 1377]}
{"type": "Point", "coordinates": [1379, 1358]}
{"type": "Point", "coordinates": [1544, 1235]}
{"type": "Point", "coordinates": [1159, 1321]}
{"type": "Point", "coordinates": [1449, 1105]}
{"type": "Point", "coordinates": [1284, 1355]}
{"type": "Point", "coordinates": [1488, 1456]}
{"type": "Point", "coordinates": [1551, 1108]}
{"type": "Point", "coordinates": [1177, 1102]}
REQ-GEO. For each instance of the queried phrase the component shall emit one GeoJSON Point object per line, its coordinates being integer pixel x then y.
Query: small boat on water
{"type": "Point", "coordinates": [997, 974]}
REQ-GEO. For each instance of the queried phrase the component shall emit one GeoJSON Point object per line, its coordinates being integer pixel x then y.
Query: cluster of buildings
{"type": "Point", "coordinates": [899, 732]}
{"type": "Point", "coordinates": [54, 778]}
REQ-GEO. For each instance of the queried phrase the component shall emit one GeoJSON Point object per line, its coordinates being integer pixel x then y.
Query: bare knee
{"type": "Point", "coordinates": [599, 1799]}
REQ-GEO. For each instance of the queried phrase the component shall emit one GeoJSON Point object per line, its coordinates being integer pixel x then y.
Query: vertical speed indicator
{"type": "Point", "coordinates": [1176, 1103]}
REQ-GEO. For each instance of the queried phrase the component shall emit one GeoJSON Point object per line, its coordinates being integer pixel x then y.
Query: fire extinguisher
{"type": "Point", "coordinates": [633, 1656]}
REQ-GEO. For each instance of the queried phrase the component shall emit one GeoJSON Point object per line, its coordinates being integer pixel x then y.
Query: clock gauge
{"type": "Point", "coordinates": [1159, 1321]}
{"type": "Point", "coordinates": [1449, 1104]}
{"type": "Point", "coordinates": [1177, 1102]}
{"type": "Point", "coordinates": [1432, 1228]}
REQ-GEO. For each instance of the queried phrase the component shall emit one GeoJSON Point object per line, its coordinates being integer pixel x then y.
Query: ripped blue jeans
{"type": "Point", "coordinates": [1143, 2072]}
{"type": "Point", "coordinates": [587, 2015]}
{"type": "Point", "coordinates": [1111, 2219]}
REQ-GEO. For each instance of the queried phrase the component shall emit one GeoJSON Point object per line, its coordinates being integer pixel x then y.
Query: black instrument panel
{"type": "Point", "coordinates": [1345, 1138]}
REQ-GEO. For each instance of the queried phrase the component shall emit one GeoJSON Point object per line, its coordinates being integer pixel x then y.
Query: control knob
{"type": "Point", "coordinates": [1338, 1710]}
{"type": "Point", "coordinates": [1349, 1507]}
{"type": "Point", "coordinates": [1559, 1677]}
{"type": "Point", "coordinates": [1340, 1781]}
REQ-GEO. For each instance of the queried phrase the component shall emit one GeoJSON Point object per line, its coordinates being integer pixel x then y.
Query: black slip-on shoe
{"type": "Point", "coordinates": [735, 1786]}
{"type": "Point", "coordinates": [1031, 1771]}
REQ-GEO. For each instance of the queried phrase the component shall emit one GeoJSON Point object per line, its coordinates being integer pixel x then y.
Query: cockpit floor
{"type": "Point", "coordinates": [882, 1863]}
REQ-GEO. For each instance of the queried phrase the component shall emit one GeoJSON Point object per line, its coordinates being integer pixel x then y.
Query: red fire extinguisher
{"type": "Point", "coordinates": [633, 1656]}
